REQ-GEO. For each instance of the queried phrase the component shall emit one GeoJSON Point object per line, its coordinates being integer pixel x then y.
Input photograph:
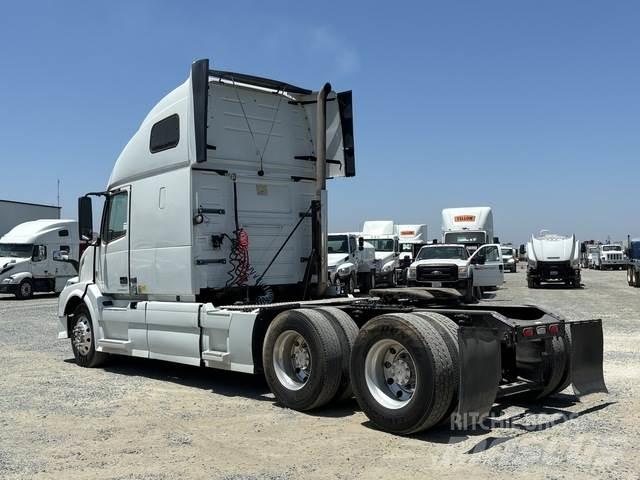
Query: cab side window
{"type": "Point", "coordinates": [115, 225]}
{"type": "Point", "coordinates": [39, 253]}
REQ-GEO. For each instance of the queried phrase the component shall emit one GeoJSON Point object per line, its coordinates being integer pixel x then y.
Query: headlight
{"type": "Point", "coordinates": [344, 271]}
{"type": "Point", "coordinates": [462, 272]}
{"type": "Point", "coordinates": [9, 280]}
{"type": "Point", "coordinates": [511, 260]}
{"type": "Point", "coordinates": [387, 267]}
{"type": "Point", "coordinates": [412, 272]}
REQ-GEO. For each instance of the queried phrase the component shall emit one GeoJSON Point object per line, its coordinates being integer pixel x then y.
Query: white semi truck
{"type": "Point", "coordinates": [553, 258]}
{"type": "Point", "coordinates": [212, 252]}
{"type": "Point", "coordinates": [469, 226]}
{"type": "Point", "coordinates": [352, 263]}
{"type": "Point", "coordinates": [382, 234]}
{"type": "Point", "coordinates": [38, 256]}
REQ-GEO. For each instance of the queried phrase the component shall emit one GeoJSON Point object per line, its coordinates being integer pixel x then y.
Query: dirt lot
{"type": "Point", "coordinates": [141, 419]}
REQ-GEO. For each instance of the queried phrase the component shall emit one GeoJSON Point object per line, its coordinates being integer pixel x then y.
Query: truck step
{"type": "Point", "coordinates": [113, 344]}
{"type": "Point", "coordinates": [214, 356]}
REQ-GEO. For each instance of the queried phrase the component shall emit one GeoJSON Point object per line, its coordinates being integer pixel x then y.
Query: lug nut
{"type": "Point", "coordinates": [390, 381]}
{"type": "Point", "coordinates": [387, 365]}
{"type": "Point", "coordinates": [392, 351]}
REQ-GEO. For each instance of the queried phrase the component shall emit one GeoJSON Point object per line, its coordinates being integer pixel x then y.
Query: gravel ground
{"type": "Point", "coordinates": [142, 419]}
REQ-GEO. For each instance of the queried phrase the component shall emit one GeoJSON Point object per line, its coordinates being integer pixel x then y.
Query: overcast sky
{"type": "Point", "coordinates": [532, 108]}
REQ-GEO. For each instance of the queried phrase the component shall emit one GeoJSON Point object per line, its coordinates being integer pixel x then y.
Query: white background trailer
{"type": "Point", "coordinates": [14, 213]}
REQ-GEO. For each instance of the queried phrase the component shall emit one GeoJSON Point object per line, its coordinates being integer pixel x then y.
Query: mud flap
{"type": "Point", "coordinates": [586, 357]}
{"type": "Point", "coordinates": [480, 374]}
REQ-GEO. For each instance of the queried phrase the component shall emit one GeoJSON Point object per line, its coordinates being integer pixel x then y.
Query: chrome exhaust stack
{"type": "Point", "coordinates": [322, 229]}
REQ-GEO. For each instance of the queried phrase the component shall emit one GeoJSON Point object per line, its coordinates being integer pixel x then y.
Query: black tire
{"type": "Point", "coordinates": [630, 277]}
{"type": "Point", "coordinates": [25, 290]}
{"type": "Point", "coordinates": [469, 294]}
{"type": "Point", "coordinates": [530, 283]}
{"type": "Point", "coordinates": [565, 381]}
{"type": "Point", "coordinates": [368, 281]}
{"type": "Point", "coordinates": [477, 293]}
{"type": "Point", "coordinates": [85, 355]}
{"type": "Point", "coordinates": [325, 358]}
{"type": "Point", "coordinates": [448, 329]}
{"type": "Point", "coordinates": [428, 353]}
{"type": "Point", "coordinates": [350, 284]}
{"type": "Point", "coordinates": [347, 331]}
{"type": "Point", "coordinates": [636, 282]}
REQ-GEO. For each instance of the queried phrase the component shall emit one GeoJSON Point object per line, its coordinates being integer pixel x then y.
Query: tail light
{"type": "Point", "coordinates": [528, 332]}
{"type": "Point", "coordinates": [554, 329]}
{"type": "Point", "coordinates": [541, 330]}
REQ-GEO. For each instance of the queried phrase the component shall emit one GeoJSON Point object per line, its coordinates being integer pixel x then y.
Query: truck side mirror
{"type": "Point", "coordinates": [85, 218]}
{"type": "Point", "coordinates": [360, 243]}
{"type": "Point", "coordinates": [522, 249]}
{"type": "Point", "coordinates": [39, 253]}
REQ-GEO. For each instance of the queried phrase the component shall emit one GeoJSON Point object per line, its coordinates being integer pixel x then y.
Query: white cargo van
{"type": "Point", "coordinates": [38, 256]}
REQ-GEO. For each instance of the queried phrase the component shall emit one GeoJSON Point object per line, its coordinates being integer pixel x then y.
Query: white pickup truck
{"type": "Point", "coordinates": [352, 262]}
{"type": "Point", "coordinates": [450, 265]}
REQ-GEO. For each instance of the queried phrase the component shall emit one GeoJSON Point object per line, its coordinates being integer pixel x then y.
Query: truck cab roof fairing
{"type": "Point", "coordinates": [191, 101]}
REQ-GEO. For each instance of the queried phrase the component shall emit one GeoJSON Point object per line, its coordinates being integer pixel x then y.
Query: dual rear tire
{"type": "Point", "coordinates": [402, 368]}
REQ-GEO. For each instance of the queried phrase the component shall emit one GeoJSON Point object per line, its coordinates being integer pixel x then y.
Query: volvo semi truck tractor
{"type": "Point", "coordinates": [553, 259]}
{"type": "Point", "coordinates": [38, 256]}
{"type": "Point", "coordinates": [212, 251]}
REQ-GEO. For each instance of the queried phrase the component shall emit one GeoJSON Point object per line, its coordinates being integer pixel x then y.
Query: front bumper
{"type": "Point", "coordinates": [459, 284]}
{"type": "Point", "coordinates": [8, 288]}
{"type": "Point", "coordinates": [553, 272]}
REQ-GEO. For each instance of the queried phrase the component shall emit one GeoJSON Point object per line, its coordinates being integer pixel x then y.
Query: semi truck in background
{"type": "Point", "coordinates": [469, 226]}
{"type": "Point", "coordinates": [382, 234]}
{"type": "Point", "coordinates": [240, 280]}
{"type": "Point", "coordinates": [411, 239]}
{"type": "Point", "coordinates": [38, 256]}
{"type": "Point", "coordinates": [553, 258]}
{"type": "Point", "coordinates": [633, 267]}
{"type": "Point", "coordinates": [352, 263]}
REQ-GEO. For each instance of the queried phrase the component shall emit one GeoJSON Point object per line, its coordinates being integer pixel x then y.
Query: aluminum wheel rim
{"type": "Point", "coordinates": [25, 289]}
{"type": "Point", "coordinates": [292, 360]}
{"type": "Point", "coordinates": [82, 335]}
{"type": "Point", "coordinates": [390, 374]}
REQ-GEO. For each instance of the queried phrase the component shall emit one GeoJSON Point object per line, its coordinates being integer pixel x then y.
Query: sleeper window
{"type": "Point", "coordinates": [165, 134]}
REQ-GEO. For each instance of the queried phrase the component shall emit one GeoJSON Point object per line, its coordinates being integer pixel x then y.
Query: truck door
{"type": "Point", "coordinates": [490, 272]}
{"type": "Point", "coordinates": [114, 244]}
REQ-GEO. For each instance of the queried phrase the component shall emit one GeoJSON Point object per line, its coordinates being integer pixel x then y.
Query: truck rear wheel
{"type": "Point", "coordinates": [83, 341]}
{"type": "Point", "coordinates": [636, 279]}
{"type": "Point", "coordinates": [402, 373]}
{"type": "Point", "coordinates": [448, 329]}
{"type": "Point", "coordinates": [347, 331]}
{"type": "Point", "coordinates": [302, 359]}
{"type": "Point", "coordinates": [630, 275]}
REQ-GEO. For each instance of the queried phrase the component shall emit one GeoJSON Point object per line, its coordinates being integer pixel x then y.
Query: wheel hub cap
{"type": "Point", "coordinates": [292, 360]}
{"type": "Point", "coordinates": [390, 374]}
{"type": "Point", "coordinates": [82, 336]}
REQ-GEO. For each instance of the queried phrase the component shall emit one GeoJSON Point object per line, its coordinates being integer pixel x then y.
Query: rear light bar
{"type": "Point", "coordinates": [529, 332]}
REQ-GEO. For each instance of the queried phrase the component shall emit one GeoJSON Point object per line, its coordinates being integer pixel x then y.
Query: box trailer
{"type": "Point", "coordinates": [213, 252]}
